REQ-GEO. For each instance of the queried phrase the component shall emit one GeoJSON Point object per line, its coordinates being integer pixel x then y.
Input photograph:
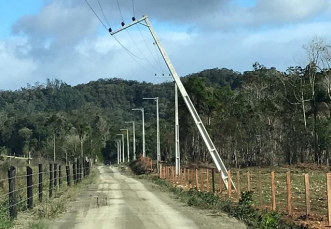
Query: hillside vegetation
{"type": "Point", "coordinates": [258, 117]}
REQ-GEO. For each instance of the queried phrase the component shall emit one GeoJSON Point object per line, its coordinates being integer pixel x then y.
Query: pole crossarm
{"type": "Point", "coordinates": [129, 25]}
{"type": "Point", "coordinates": [198, 122]}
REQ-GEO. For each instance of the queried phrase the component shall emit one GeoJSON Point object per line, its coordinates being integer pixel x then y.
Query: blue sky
{"type": "Point", "coordinates": [63, 39]}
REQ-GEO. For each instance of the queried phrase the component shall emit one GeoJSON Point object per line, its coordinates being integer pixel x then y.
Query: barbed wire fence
{"type": "Point", "coordinates": [24, 185]}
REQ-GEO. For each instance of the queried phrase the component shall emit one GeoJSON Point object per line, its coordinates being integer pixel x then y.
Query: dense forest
{"type": "Point", "coordinates": [258, 117]}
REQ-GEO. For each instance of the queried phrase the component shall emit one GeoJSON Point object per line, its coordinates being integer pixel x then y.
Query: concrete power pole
{"type": "Point", "coordinates": [197, 120]}
{"type": "Point", "coordinates": [127, 142]}
{"type": "Point", "coordinates": [134, 138]}
{"type": "Point", "coordinates": [143, 127]}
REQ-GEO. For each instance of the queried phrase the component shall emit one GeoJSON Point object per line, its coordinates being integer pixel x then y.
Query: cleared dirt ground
{"type": "Point", "coordinates": [119, 201]}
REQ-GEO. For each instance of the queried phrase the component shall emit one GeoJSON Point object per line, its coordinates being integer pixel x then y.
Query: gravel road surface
{"type": "Point", "coordinates": [121, 202]}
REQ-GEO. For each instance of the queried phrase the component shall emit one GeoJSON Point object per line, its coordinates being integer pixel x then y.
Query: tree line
{"type": "Point", "coordinates": [258, 117]}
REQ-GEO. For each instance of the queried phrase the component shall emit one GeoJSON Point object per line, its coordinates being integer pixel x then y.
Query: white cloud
{"type": "Point", "coordinates": [63, 40]}
{"type": "Point", "coordinates": [14, 69]}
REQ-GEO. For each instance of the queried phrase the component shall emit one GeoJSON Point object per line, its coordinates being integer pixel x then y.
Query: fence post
{"type": "Point", "coordinates": [238, 185]}
{"type": "Point", "coordinates": [229, 184]}
{"type": "Point", "coordinates": [207, 184]}
{"type": "Point", "coordinates": [273, 191]}
{"type": "Point", "coordinates": [328, 190]}
{"type": "Point", "coordinates": [221, 181]}
{"type": "Point", "coordinates": [74, 172]}
{"type": "Point", "coordinates": [202, 183]}
{"type": "Point", "coordinates": [68, 175]}
{"type": "Point", "coordinates": [55, 176]}
{"type": "Point", "coordinates": [196, 179]}
{"type": "Point", "coordinates": [60, 176]}
{"type": "Point", "coordinates": [248, 181]}
{"type": "Point", "coordinates": [307, 195]}
{"type": "Point", "coordinates": [29, 185]}
{"type": "Point", "coordinates": [260, 190]}
{"type": "Point", "coordinates": [12, 192]}
{"type": "Point", "coordinates": [289, 194]}
{"type": "Point", "coordinates": [213, 179]}
{"type": "Point", "coordinates": [40, 183]}
{"type": "Point", "coordinates": [50, 180]}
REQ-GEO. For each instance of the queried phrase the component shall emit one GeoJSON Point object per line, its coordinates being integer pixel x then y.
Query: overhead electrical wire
{"type": "Point", "coordinates": [158, 56]}
{"type": "Point", "coordinates": [103, 13]}
{"type": "Point", "coordinates": [132, 55]}
{"type": "Point", "coordinates": [96, 14]}
{"type": "Point", "coordinates": [119, 8]}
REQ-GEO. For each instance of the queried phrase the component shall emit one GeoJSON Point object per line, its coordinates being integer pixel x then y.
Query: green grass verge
{"type": "Point", "coordinates": [242, 210]}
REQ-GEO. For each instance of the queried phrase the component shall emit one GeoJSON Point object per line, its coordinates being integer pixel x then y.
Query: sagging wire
{"type": "Point", "coordinates": [103, 13]}
{"type": "Point", "coordinates": [131, 54]}
{"type": "Point", "coordinates": [96, 14]}
{"type": "Point", "coordinates": [158, 56]}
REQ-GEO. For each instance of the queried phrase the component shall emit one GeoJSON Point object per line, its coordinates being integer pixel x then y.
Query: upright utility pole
{"type": "Point", "coordinates": [120, 150]}
{"type": "Point", "coordinates": [198, 122]}
{"type": "Point", "coordinates": [143, 127]}
{"type": "Point", "coordinates": [127, 142]}
{"type": "Point", "coordinates": [134, 138]}
{"type": "Point", "coordinates": [177, 133]}
{"type": "Point", "coordinates": [158, 154]}
{"type": "Point", "coordinates": [122, 146]}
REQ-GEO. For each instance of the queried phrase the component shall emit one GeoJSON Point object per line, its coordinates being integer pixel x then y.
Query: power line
{"type": "Point", "coordinates": [132, 55]}
{"type": "Point", "coordinates": [148, 46]}
{"type": "Point", "coordinates": [158, 57]}
{"type": "Point", "coordinates": [133, 8]}
{"type": "Point", "coordinates": [96, 14]}
{"type": "Point", "coordinates": [103, 13]}
{"type": "Point", "coordinates": [119, 8]}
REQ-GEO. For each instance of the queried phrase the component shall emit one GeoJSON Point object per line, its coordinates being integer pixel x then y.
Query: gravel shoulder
{"type": "Point", "coordinates": [119, 201]}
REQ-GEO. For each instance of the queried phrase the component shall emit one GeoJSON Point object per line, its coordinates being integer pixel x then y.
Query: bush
{"type": "Point", "coordinates": [138, 167]}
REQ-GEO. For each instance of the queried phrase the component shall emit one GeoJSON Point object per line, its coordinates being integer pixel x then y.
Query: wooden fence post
{"type": "Point", "coordinates": [68, 175]}
{"type": "Point", "coordinates": [40, 182]}
{"type": "Point", "coordinates": [207, 184]}
{"type": "Point", "coordinates": [260, 189]}
{"type": "Point", "coordinates": [328, 190]}
{"type": "Point", "coordinates": [60, 176]}
{"type": "Point", "coordinates": [160, 171]}
{"type": "Point", "coordinates": [50, 180]}
{"type": "Point", "coordinates": [74, 171]}
{"type": "Point", "coordinates": [55, 176]}
{"type": "Point", "coordinates": [238, 185]}
{"type": "Point", "coordinates": [248, 181]}
{"type": "Point", "coordinates": [196, 179]}
{"type": "Point", "coordinates": [202, 187]}
{"type": "Point", "coordinates": [29, 186]}
{"type": "Point", "coordinates": [213, 179]}
{"type": "Point", "coordinates": [221, 181]}
{"type": "Point", "coordinates": [12, 192]}
{"type": "Point", "coordinates": [229, 184]}
{"type": "Point", "coordinates": [273, 191]}
{"type": "Point", "coordinates": [289, 194]}
{"type": "Point", "coordinates": [307, 194]}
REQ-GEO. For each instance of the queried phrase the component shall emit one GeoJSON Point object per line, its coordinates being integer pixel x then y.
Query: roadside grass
{"type": "Point", "coordinates": [49, 208]}
{"type": "Point", "coordinates": [243, 210]}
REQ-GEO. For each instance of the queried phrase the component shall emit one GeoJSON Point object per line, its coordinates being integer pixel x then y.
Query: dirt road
{"type": "Point", "coordinates": [120, 202]}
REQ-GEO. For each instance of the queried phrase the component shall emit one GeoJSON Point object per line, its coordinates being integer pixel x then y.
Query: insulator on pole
{"type": "Point", "coordinates": [110, 30]}
{"type": "Point", "coordinates": [123, 24]}
{"type": "Point", "coordinates": [133, 18]}
{"type": "Point", "coordinates": [155, 74]}
{"type": "Point", "coordinates": [162, 74]}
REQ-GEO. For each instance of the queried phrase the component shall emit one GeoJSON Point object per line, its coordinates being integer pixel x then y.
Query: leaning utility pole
{"type": "Point", "coordinates": [198, 122]}
{"type": "Point", "coordinates": [177, 133]}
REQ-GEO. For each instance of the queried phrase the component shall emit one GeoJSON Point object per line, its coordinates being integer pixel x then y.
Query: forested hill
{"type": "Point", "coordinates": [29, 116]}
{"type": "Point", "coordinates": [260, 117]}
